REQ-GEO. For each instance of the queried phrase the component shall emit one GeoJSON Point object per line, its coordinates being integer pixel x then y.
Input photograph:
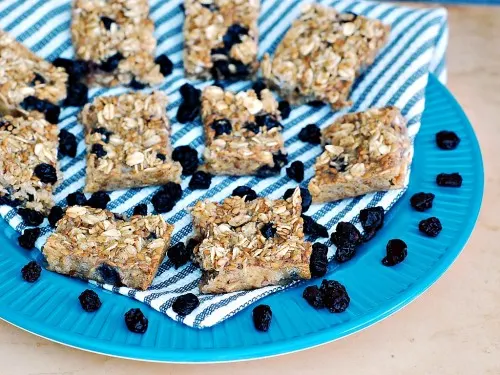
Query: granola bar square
{"type": "Point", "coordinates": [128, 142]}
{"type": "Point", "coordinates": [221, 38]}
{"type": "Point", "coordinates": [28, 81]}
{"type": "Point", "coordinates": [322, 54]}
{"type": "Point", "coordinates": [116, 38]}
{"type": "Point", "coordinates": [364, 152]}
{"type": "Point", "coordinates": [93, 244]}
{"type": "Point", "coordinates": [29, 170]}
{"type": "Point", "coordinates": [248, 245]}
{"type": "Point", "coordinates": [242, 133]}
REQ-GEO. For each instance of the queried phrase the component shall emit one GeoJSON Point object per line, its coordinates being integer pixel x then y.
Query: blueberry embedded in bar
{"type": "Point", "coordinates": [221, 39]}
{"type": "Point", "coordinates": [128, 142]}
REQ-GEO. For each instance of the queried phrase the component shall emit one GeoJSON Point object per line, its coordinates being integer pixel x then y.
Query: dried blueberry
{"type": "Point", "coordinates": [316, 103]}
{"type": "Point", "coordinates": [76, 69]}
{"type": "Point", "coordinates": [89, 300]}
{"type": "Point", "coordinates": [151, 236]}
{"type": "Point", "coordinates": [232, 35]}
{"type": "Point", "coordinates": [311, 134]}
{"type": "Point", "coordinates": [46, 173]}
{"type": "Point", "coordinates": [296, 171]}
{"type": "Point", "coordinates": [136, 321]}
{"type": "Point", "coordinates": [312, 228]}
{"type": "Point", "coordinates": [28, 238]}
{"type": "Point", "coordinates": [105, 133]}
{"type": "Point", "coordinates": [431, 226]}
{"type": "Point", "coordinates": [98, 150]}
{"type": "Point", "coordinates": [111, 63]}
{"type": "Point", "coordinates": [262, 316]}
{"type": "Point", "coordinates": [99, 199]}
{"type": "Point", "coordinates": [77, 94]}
{"type": "Point", "coordinates": [314, 297]}
{"type": "Point", "coordinates": [76, 199]}
{"type": "Point", "coordinates": [245, 191]}
{"type": "Point", "coordinates": [67, 143]}
{"type": "Point", "coordinates": [449, 179]}
{"type": "Point", "coordinates": [372, 218]}
{"type": "Point", "coordinates": [166, 65]}
{"type": "Point", "coordinates": [108, 274]}
{"type": "Point", "coordinates": [267, 230]}
{"type": "Point", "coordinates": [447, 140]}
{"type": "Point", "coordinates": [284, 108]}
{"type": "Point", "coordinates": [140, 210]}
{"type": "Point", "coordinates": [187, 113]}
{"type": "Point", "coordinates": [50, 111]}
{"type": "Point", "coordinates": [396, 252]}
{"type": "Point", "coordinates": [161, 156]}
{"type": "Point", "coordinates": [178, 255]}
{"type": "Point", "coordinates": [306, 197]}
{"type": "Point", "coordinates": [4, 199]}
{"type": "Point", "coordinates": [268, 121]}
{"type": "Point", "coordinates": [173, 189]}
{"type": "Point", "coordinates": [162, 202]}
{"type": "Point", "coordinates": [31, 272]}
{"type": "Point", "coordinates": [222, 126]}
{"type": "Point", "coordinates": [258, 86]}
{"type": "Point", "coordinates": [30, 217]}
{"type": "Point", "coordinates": [136, 84]}
{"type": "Point", "coordinates": [335, 296]}
{"type": "Point", "coordinates": [253, 127]}
{"type": "Point", "coordinates": [422, 201]}
{"type": "Point", "coordinates": [200, 180]}
{"type": "Point", "coordinates": [280, 160]}
{"type": "Point", "coordinates": [191, 244]}
{"type": "Point", "coordinates": [185, 304]}
{"type": "Point", "coordinates": [188, 157]}
{"type": "Point", "coordinates": [56, 213]}
{"type": "Point", "coordinates": [345, 238]}
{"type": "Point", "coordinates": [107, 22]}
{"type": "Point", "coordinates": [190, 94]}
{"type": "Point", "coordinates": [318, 264]}
{"type": "Point", "coordinates": [37, 80]}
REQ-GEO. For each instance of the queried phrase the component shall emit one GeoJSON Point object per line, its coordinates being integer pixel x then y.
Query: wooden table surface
{"type": "Point", "coordinates": [453, 329]}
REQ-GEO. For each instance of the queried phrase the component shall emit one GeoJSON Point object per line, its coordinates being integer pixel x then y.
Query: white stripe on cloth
{"type": "Point", "coordinates": [398, 77]}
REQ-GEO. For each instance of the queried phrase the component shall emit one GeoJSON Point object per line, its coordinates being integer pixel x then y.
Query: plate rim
{"type": "Point", "coordinates": [286, 346]}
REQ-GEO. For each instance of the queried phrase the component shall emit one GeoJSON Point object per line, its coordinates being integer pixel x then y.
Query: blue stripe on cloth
{"type": "Point", "coordinates": [397, 77]}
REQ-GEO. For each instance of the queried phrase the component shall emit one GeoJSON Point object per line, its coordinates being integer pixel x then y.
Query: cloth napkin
{"type": "Point", "coordinates": [398, 77]}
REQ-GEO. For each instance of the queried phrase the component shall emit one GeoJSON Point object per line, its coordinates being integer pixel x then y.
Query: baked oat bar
{"type": "Point", "coordinates": [322, 54]}
{"type": "Point", "coordinates": [364, 152]}
{"type": "Point", "coordinates": [220, 38]}
{"type": "Point", "coordinates": [242, 133]}
{"type": "Point", "coordinates": [28, 82]}
{"type": "Point", "coordinates": [248, 245]}
{"type": "Point", "coordinates": [91, 243]}
{"type": "Point", "coordinates": [116, 38]}
{"type": "Point", "coordinates": [128, 142]}
{"type": "Point", "coordinates": [29, 169]}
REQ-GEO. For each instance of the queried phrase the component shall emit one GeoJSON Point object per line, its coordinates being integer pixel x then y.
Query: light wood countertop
{"type": "Point", "coordinates": [453, 329]}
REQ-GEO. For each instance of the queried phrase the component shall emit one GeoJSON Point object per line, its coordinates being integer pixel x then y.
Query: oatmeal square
{"type": "Point", "coordinates": [250, 244]}
{"type": "Point", "coordinates": [322, 54]}
{"type": "Point", "coordinates": [29, 170]}
{"type": "Point", "coordinates": [128, 142]}
{"type": "Point", "coordinates": [221, 38]}
{"type": "Point", "coordinates": [91, 243]}
{"type": "Point", "coordinates": [115, 38]}
{"type": "Point", "coordinates": [242, 133]}
{"type": "Point", "coordinates": [29, 83]}
{"type": "Point", "coordinates": [364, 152]}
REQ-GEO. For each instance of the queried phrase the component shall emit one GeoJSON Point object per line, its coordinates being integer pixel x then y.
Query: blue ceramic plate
{"type": "Point", "coordinates": [50, 307]}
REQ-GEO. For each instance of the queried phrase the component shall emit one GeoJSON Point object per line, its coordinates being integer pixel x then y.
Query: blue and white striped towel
{"type": "Point", "coordinates": [398, 77]}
